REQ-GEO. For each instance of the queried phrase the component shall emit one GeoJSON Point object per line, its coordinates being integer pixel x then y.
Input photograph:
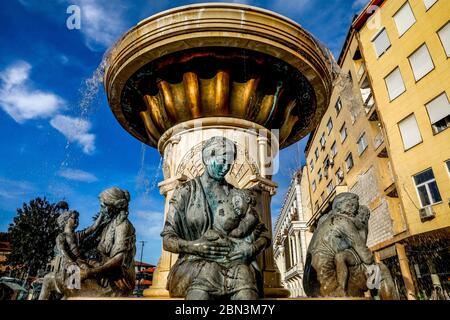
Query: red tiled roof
{"type": "Point", "coordinates": [142, 264]}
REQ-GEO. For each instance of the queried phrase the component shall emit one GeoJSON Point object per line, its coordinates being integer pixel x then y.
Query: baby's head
{"type": "Point", "coordinates": [241, 200]}
{"type": "Point", "coordinates": [68, 217]}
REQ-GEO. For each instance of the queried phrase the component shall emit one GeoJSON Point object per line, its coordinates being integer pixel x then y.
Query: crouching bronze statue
{"type": "Point", "coordinates": [338, 261]}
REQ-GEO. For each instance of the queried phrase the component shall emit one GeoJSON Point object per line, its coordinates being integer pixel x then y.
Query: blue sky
{"type": "Point", "coordinates": [59, 138]}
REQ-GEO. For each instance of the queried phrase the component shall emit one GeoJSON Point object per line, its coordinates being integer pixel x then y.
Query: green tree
{"type": "Point", "coordinates": [33, 235]}
{"type": "Point", "coordinates": [4, 237]}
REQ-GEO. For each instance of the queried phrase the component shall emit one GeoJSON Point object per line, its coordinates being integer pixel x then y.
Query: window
{"type": "Point", "coordinates": [429, 3]}
{"type": "Point", "coordinates": [410, 132]}
{"type": "Point", "coordinates": [319, 173]}
{"type": "Point", "coordinates": [343, 132]}
{"type": "Point", "coordinates": [448, 166]}
{"type": "Point", "coordinates": [421, 62]}
{"type": "Point", "coordinates": [338, 106]}
{"type": "Point", "coordinates": [330, 187]}
{"type": "Point", "coordinates": [316, 206]}
{"type": "Point", "coordinates": [333, 150]}
{"type": "Point", "coordinates": [316, 153]}
{"type": "Point", "coordinates": [427, 188]}
{"type": "Point", "coordinates": [339, 176]}
{"type": "Point", "coordinates": [349, 162]}
{"type": "Point", "coordinates": [314, 186]}
{"type": "Point", "coordinates": [329, 125]}
{"type": "Point", "coordinates": [323, 140]}
{"type": "Point", "coordinates": [366, 94]}
{"type": "Point", "coordinates": [404, 19]}
{"type": "Point", "coordinates": [394, 83]}
{"type": "Point", "coordinates": [444, 35]}
{"type": "Point", "coordinates": [381, 43]}
{"type": "Point", "coordinates": [362, 143]}
{"type": "Point", "coordinates": [322, 196]}
{"type": "Point", "coordinates": [439, 113]}
{"type": "Point", "coordinates": [326, 165]}
{"type": "Point", "coordinates": [311, 165]}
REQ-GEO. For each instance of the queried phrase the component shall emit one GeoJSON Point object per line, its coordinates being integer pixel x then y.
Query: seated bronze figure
{"type": "Point", "coordinates": [216, 231]}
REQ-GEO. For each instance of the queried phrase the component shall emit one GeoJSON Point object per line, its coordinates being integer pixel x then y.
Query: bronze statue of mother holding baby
{"type": "Point", "coordinates": [216, 231]}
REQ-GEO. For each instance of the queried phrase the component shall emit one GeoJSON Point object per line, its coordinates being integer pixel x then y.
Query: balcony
{"type": "Point", "coordinates": [293, 272]}
{"type": "Point", "coordinates": [378, 140]}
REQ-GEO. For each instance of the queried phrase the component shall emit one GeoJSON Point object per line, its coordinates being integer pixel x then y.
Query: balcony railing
{"type": "Point", "coordinates": [293, 271]}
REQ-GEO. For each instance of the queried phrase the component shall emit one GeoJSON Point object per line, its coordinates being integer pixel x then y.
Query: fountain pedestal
{"type": "Point", "coordinates": [256, 149]}
{"type": "Point", "coordinates": [194, 72]}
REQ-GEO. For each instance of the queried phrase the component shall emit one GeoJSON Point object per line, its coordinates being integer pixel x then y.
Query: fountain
{"type": "Point", "coordinates": [188, 74]}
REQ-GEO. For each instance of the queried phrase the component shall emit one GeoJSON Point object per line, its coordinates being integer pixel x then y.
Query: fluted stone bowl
{"type": "Point", "coordinates": [218, 60]}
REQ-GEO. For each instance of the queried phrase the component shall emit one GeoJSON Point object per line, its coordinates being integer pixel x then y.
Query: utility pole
{"type": "Point", "coordinates": [140, 267]}
{"type": "Point", "coordinates": [142, 252]}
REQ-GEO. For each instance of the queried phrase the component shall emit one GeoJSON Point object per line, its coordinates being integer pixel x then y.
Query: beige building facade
{"type": "Point", "coordinates": [406, 49]}
{"type": "Point", "coordinates": [385, 138]}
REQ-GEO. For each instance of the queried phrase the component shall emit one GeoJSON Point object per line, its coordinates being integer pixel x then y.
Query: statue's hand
{"type": "Point", "coordinates": [246, 252]}
{"type": "Point", "coordinates": [208, 249]}
{"type": "Point", "coordinates": [82, 264]}
{"type": "Point", "coordinates": [85, 273]}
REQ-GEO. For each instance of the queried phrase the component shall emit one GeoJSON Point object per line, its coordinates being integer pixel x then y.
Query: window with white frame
{"type": "Point", "coordinates": [311, 165]}
{"type": "Point", "coordinates": [447, 163]}
{"type": "Point", "coordinates": [439, 112]}
{"type": "Point", "coordinates": [326, 166]}
{"type": "Point", "coordinates": [427, 188]}
{"type": "Point", "coordinates": [349, 162]}
{"type": "Point", "coordinates": [330, 187]}
{"type": "Point", "coordinates": [343, 133]}
{"type": "Point", "coordinates": [444, 35]}
{"type": "Point", "coordinates": [338, 106]}
{"type": "Point", "coordinates": [404, 19]}
{"type": "Point", "coordinates": [314, 186]}
{"type": "Point", "coordinates": [410, 132]}
{"type": "Point", "coordinates": [329, 125]}
{"type": "Point", "coordinates": [429, 3]}
{"type": "Point", "coordinates": [339, 176]}
{"type": "Point", "coordinates": [323, 140]}
{"type": "Point", "coordinates": [333, 150]}
{"type": "Point", "coordinates": [421, 62]}
{"type": "Point", "coordinates": [362, 143]}
{"type": "Point", "coordinates": [381, 43]}
{"type": "Point", "coordinates": [395, 84]}
{"type": "Point", "coordinates": [316, 153]}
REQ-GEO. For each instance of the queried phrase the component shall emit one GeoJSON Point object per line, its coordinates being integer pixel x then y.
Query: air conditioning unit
{"type": "Point", "coordinates": [331, 162]}
{"type": "Point", "coordinates": [426, 213]}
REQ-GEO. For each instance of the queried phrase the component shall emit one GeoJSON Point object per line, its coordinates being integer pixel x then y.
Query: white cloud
{"type": "Point", "coordinates": [75, 130]}
{"type": "Point", "coordinates": [101, 22]}
{"type": "Point", "coordinates": [149, 224]}
{"type": "Point", "coordinates": [77, 175]}
{"type": "Point", "coordinates": [15, 189]}
{"type": "Point", "coordinates": [20, 100]}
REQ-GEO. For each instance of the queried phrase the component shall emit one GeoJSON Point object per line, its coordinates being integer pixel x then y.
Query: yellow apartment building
{"type": "Point", "coordinates": [348, 152]}
{"type": "Point", "coordinates": [405, 46]}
